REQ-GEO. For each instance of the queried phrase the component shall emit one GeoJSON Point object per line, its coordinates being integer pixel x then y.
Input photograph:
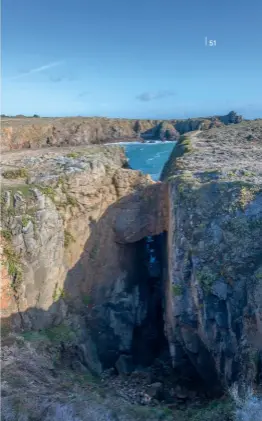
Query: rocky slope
{"type": "Point", "coordinates": [18, 133]}
{"type": "Point", "coordinates": [214, 297]}
{"type": "Point", "coordinates": [37, 385]}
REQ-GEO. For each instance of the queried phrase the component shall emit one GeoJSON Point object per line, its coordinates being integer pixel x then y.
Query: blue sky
{"type": "Point", "coordinates": [131, 58]}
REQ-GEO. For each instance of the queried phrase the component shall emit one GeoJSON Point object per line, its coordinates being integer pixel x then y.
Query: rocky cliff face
{"type": "Point", "coordinates": [19, 133]}
{"type": "Point", "coordinates": [38, 132]}
{"type": "Point", "coordinates": [120, 271]}
{"type": "Point", "coordinates": [214, 297]}
{"type": "Point", "coordinates": [42, 194]}
{"type": "Point", "coordinates": [74, 223]}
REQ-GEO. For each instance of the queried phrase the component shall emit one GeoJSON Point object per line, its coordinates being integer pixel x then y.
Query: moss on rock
{"type": "Point", "coordinates": [14, 265]}
{"type": "Point", "coordinates": [183, 146]}
{"type": "Point", "coordinates": [16, 173]}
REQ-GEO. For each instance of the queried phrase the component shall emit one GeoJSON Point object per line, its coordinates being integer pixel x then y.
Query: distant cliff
{"type": "Point", "coordinates": [20, 132]}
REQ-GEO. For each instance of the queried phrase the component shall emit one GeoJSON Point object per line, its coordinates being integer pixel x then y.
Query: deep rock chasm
{"type": "Point", "coordinates": [153, 288]}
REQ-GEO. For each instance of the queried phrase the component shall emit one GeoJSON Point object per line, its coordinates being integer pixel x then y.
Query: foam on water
{"type": "Point", "coordinates": [149, 157]}
{"type": "Point", "coordinates": [148, 143]}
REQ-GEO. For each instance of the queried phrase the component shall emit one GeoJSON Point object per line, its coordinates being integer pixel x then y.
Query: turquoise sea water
{"type": "Point", "coordinates": [149, 157]}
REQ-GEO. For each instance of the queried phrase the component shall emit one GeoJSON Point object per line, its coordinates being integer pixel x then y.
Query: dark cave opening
{"type": "Point", "coordinates": [149, 341]}
{"type": "Point", "coordinates": [150, 346]}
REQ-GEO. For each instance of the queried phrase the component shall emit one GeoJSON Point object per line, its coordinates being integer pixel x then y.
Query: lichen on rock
{"type": "Point", "coordinates": [214, 255]}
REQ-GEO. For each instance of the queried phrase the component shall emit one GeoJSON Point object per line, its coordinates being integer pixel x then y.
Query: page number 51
{"type": "Point", "coordinates": [210, 42]}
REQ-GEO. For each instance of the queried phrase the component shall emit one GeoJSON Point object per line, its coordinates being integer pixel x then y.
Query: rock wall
{"type": "Point", "coordinates": [214, 297]}
{"type": "Point", "coordinates": [73, 224]}
{"type": "Point", "coordinates": [46, 208]}
{"type": "Point", "coordinates": [38, 132]}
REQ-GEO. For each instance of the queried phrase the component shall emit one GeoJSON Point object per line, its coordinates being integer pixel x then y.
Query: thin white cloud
{"type": "Point", "coordinates": [150, 96]}
{"type": "Point", "coordinates": [37, 70]}
{"type": "Point", "coordinates": [83, 94]}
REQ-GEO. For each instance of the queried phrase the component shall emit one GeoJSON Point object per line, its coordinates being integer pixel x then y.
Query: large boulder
{"type": "Point", "coordinates": [231, 118]}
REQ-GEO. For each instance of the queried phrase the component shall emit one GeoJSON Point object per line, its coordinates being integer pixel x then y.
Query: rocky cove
{"type": "Point", "coordinates": [124, 298]}
{"type": "Point", "coordinates": [24, 132]}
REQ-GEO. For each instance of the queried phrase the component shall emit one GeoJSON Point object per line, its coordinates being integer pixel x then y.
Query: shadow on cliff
{"type": "Point", "coordinates": [112, 300]}
{"type": "Point", "coordinates": [107, 290]}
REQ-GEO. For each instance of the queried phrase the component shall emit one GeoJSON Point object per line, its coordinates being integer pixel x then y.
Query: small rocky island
{"type": "Point", "coordinates": [125, 299]}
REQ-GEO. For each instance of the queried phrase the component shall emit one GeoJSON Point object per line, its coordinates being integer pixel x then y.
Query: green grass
{"type": "Point", "coordinates": [217, 410]}
{"type": "Point", "coordinates": [33, 336]}
{"type": "Point", "coordinates": [183, 146]}
{"type": "Point", "coordinates": [245, 197]}
{"type": "Point", "coordinates": [24, 189]}
{"type": "Point", "coordinates": [7, 234]}
{"type": "Point", "coordinates": [54, 334]}
{"type": "Point", "coordinates": [48, 191]}
{"type": "Point", "coordinates": [73, 154]}
{"type": "Point", "coordinates": [13, 174]}
{"type": "Point", "coordinates": [258, 274]}
{"type": "Point", "coordinates": [206, 279]}
{"type": "Point", "coordinates": [248, 173]}
{"type": "Point", "coordinates": [14, 266]}
{"type": "Point", "coordinates": [145, 413]}
{"type": "Point", "coordinates": [68, 238]}
{"type": "Point", "coordinates": [25, 220]}
{"type": "Point", "coordinates": [59, 333]}
{"type": "Point", "coordinates": [5, 329]}
{"type": "Point", "coordinates": [71, 200]}
{"type": "Point", "coordinates": [86, 299]}
{"type": "Point", "coordinates": [87, 379]}
{"type": "Point", "coordinates": [58, 293]}
{"type": "Point", "coordinates": [176, 290]}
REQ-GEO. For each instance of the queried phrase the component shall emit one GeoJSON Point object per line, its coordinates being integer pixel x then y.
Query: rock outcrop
{"type": "Point", "coordinates": [214, 297]}
{"type": "Point", "coordinates": [19, 133]}
{"type": "Point", "coordinates": [166, 131]}
{"type": "Point", "coordinates": [192, 124]}
{"type": "Point", "coordinates": [38, 132]}
{"type": "Point", "coordinates": [231, 118]}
